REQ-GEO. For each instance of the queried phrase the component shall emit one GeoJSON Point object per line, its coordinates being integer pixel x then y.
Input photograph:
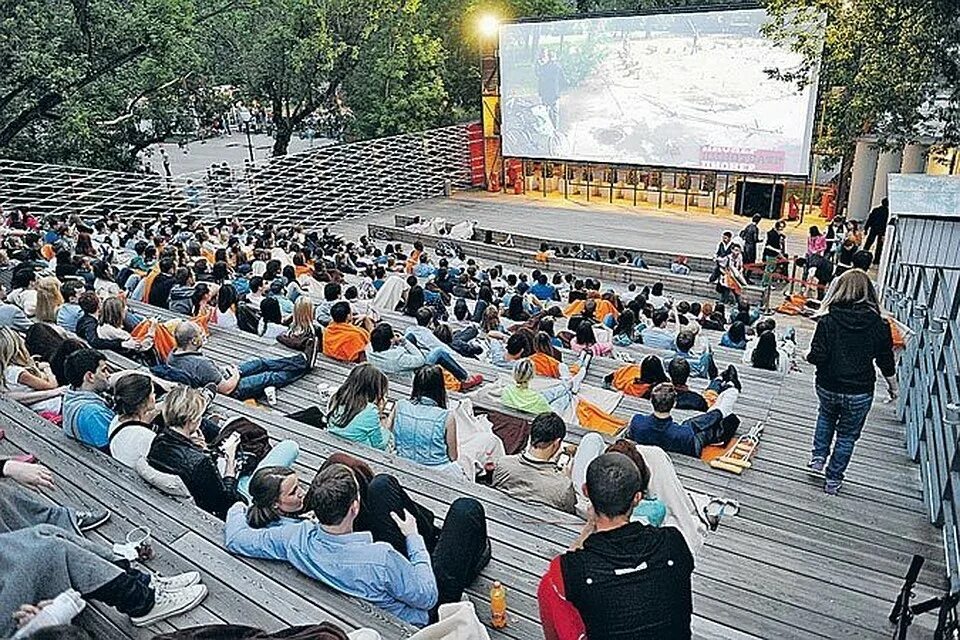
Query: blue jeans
{"type": "Point", "coordinates": [283, 454]}
{"type": "Point", "coordinates": [440, 356]}
{"type": "Point", "coordinates": [841, 415]}
{"type": "Point", "coordinates": [257, 374]}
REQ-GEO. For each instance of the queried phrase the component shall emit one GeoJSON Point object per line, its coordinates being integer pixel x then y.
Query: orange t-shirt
{"type": "Point", "coordinates": [344, 341]}
{"type": "Point", "coordinates": [548, 366]}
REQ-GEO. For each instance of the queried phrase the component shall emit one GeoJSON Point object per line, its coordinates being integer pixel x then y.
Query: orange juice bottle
{"type": "Point", "coordinates": [498, 606]}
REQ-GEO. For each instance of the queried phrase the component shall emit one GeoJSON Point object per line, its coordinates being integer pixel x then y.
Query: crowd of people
{"type": "Point", "coordinates": [141, 386]}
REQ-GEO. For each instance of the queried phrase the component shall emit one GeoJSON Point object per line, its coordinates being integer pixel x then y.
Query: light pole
{"type": "Point", "coordinates": [245, 118]}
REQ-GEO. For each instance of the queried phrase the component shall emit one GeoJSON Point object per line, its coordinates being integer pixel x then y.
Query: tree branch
{"type": "Point", "coordinates": [54, 99]}
{"type": "Point", "coordinates": [134, 102]}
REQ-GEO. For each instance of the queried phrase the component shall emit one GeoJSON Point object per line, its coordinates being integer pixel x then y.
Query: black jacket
{"type": "Point", "coordinates": [847, 341]}
{"type": "Point", "coordinates": [87, 329]}
{"type": "Point", "coordinates": [632, 583]}
{"type": "Point", "coordinates": [174, 453]}
{"type": "Point", "coordinates": [160, 290]}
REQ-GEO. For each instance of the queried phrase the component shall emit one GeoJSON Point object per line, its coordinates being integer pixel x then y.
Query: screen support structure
{"type": "Point", "coordinates": [494, 173]}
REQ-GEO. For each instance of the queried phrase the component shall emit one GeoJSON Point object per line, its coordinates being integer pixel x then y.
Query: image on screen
{"type": "Point", "coordinates": [686, 90]}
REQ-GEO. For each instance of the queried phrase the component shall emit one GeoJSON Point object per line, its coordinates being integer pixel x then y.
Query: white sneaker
{"type": "Point", "coordinates": [174, 583]}
{"type": "Point", "coordinates": [172, 603]}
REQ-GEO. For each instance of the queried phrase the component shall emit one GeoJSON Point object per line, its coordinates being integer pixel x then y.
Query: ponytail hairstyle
{"type": "Point", "coordinates": [130, 393]}
{"type": "Point", "coordinates": [264, 494]}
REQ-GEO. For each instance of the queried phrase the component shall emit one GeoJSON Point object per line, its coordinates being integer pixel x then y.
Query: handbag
{"type": "Point", "coordinates": [254, 442]}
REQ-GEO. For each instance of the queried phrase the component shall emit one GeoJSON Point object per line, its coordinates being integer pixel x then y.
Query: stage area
{"type": "Point", "coordinates": [642, 228]}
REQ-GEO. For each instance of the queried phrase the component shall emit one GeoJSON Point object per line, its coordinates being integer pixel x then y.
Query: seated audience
{"type": "Point", "coordinates": [395, 354]}
{"type": "Point", "coordinates": [533, 476]}
{"type": "Point", "coordinates": [424, 429]}
{"type": "Point", "coordinates": [586, 341]}
{"type": "Point", "coordinates": [69, 312]}
{"type": "Point", "coordinates": [28, 382]}
{"type": "Point", "coordinates": [735, 336]}
{"type": "Point", "coordinates": [331, 551]}
{"type": "Point", "coordinates": [346, 338]}
{"type": "Point", "coordinates": [659, 336]}
{"type": "Point", "coordinates": [86, 414]}
{"type": "Point", "coordinates": [132, 431]}
{"type": "Point", "coordinates": [180, 449]}
{"type": "Point", "coordinates": [422, 335]}
{"type": "Point", "coordinates": [49, 299]}
{"type": "Point", "coordinates": [12, 315]}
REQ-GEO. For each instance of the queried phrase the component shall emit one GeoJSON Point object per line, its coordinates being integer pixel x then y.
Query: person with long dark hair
{"type": "Point", "coordinates": [424, 428]}
{"type": "Point", "coordinates": [850, 338]}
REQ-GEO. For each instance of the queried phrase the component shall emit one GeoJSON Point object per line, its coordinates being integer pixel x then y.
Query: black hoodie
{"type": "Point", "coordinates": [845, 345]}
{"type": "Point", "coordinates": [631, 582]}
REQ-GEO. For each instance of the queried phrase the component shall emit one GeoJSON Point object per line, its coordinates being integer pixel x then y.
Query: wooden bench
{"type": "Point", "coordinates": [788, 531]}
{"type": "Point", "coordinates": [684, 286]}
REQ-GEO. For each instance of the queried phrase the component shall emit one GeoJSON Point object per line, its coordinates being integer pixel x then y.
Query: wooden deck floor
{"type": "Point", "coordinates": [794, 564]}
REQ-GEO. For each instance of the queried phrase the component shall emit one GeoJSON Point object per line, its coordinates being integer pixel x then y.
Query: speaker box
{"type": "Point", "coordinates": [753, 198]}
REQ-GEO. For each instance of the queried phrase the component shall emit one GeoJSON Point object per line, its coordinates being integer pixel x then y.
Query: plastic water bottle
{"type": "Point", "coordinates": [498, 606]}
{"type": "Point", "coordinates": [488, 467]}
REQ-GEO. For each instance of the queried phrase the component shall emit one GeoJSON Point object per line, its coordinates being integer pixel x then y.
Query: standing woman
{"type": "Point", "coordinates": [849, 338]}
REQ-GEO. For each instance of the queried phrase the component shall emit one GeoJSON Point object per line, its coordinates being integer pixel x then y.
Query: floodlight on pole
{"type": "Point", "coordinates": [489, 25]}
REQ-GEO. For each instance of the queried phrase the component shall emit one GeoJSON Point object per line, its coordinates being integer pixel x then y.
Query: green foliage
{"type": "Point", "coordinates": [891, 68]}
{"type": "Point", "coordinates": [79, 76]}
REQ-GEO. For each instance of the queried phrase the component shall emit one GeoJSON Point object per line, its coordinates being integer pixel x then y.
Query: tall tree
{"type": "Point", "coordinates": [890, 68]}
{"type": "Point", "coordinates": [296, 55]}
{"type": "Point", "coordinates": [80, 75]}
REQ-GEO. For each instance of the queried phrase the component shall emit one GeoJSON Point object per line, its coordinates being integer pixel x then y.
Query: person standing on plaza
{"type": "Point", "coordinates": [750, 235]}
{"type": "Point", "coordinates": [876, 227]}
{"type": "Point", "coordinates": [850, 336]}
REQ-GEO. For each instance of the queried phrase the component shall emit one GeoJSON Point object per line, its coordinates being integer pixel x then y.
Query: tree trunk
{"type": "Point", "coordinates": [282, 132]}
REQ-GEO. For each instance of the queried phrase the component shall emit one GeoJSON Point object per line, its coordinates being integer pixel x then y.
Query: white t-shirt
{"type": "Point", "coordinates": [133, 442]}
{"type": "Point", "coordinates": [272, 330]}
{"type": "Point", "coordinates": [226, 319]}
{"type": "Point", "coordinates": [11, 376]}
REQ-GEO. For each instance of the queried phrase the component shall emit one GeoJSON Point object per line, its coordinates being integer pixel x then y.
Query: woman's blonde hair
{"type": "Point", "coordinates": [302, 322]}
{"type": "Point", "coordinates": [181, 406]}
{"type": "Point", "coordinates": [853, 287]}
{"type": "Point", "coordinates": [49, 299]}
{"type": "Point", "coordinates": [365, 384]}
{"type": "Point", "coordinates": [523, 371]}
{"type": "Point", "coordinates": [13, 351]}
{"type": "Point", "coordinates": [112, 311]}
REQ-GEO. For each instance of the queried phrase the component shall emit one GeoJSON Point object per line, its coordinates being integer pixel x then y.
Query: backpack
{"type": "Point", "coordinates": [254, 443]}
{"type": "Point", "coordinates": [248, 318]}
{"type": "Point", "coordinates": [312, 416]}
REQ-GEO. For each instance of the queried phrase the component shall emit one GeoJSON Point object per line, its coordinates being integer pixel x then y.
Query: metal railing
{"type": "Point", "coordinates": [926, 299]}
{"type": "Point", "coordinates": [314, 188]}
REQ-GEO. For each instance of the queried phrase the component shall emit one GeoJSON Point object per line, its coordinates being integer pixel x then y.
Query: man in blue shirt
{"type": "Point", "coordinates": [659, 429]}
{"type": "Point", "coordinates": [86, 416]}
{"type": "Point", "coordinates": [659, 336]}
{"type": "Point", "coordinates": [70, 312]}
{"type": "Point", "coordinates": [543, 290]}
{"type": "Point", "coordinates": [361, 563]}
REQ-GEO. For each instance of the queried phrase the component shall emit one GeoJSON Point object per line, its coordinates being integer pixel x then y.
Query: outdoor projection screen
{"type": "Point", "coordinates": [683, 90]}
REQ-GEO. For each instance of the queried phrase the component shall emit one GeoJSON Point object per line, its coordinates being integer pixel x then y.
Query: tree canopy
{"type": "Point", "coordinates": [93, 82]}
